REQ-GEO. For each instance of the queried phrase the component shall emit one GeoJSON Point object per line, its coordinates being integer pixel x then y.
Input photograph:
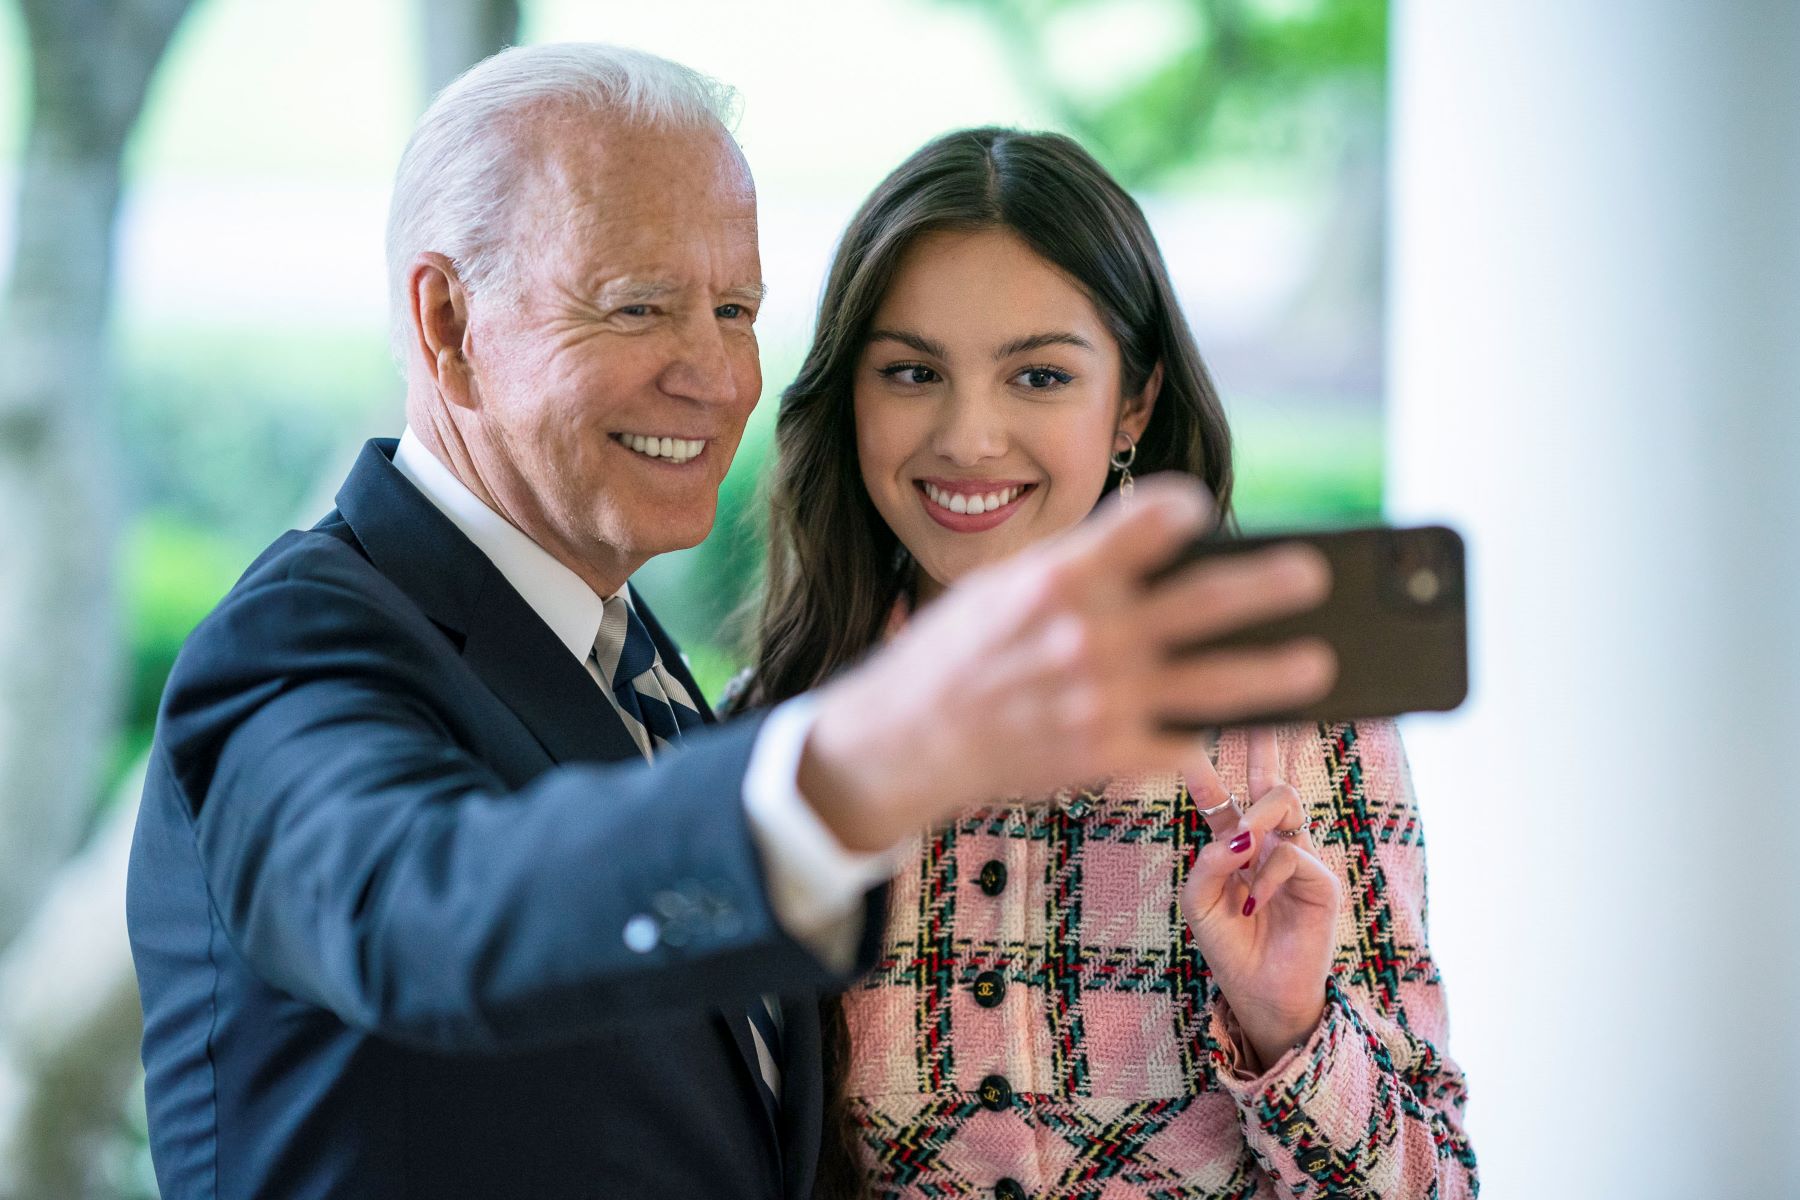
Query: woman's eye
{"type": "Point", "coordinates": [913, 373]}
{"type": "Point", "coordinates": [1040, 378]}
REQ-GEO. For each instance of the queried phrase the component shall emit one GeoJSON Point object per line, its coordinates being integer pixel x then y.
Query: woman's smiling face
{"type": "Point", "coordinates": [988, 400]}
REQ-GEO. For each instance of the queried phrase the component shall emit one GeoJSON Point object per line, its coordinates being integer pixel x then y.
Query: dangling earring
{"type": "Point", "coordinates": [1121, 462]}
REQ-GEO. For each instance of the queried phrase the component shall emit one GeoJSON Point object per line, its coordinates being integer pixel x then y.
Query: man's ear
{"type": "Point", "coordinates": [1134, 417]}
{"type": "Point", "coordinates": [440, 321]}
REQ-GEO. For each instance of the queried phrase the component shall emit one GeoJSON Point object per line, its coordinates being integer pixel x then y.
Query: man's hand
{"type": "Point", "coordinates": [1056, 667]}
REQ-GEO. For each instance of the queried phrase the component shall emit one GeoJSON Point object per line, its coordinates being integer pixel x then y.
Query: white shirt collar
{"type": "Point", "coordinates": [558, 596]}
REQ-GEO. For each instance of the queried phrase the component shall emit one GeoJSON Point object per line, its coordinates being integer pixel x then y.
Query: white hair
{"type": "Point", "coordinates": [466, 159]}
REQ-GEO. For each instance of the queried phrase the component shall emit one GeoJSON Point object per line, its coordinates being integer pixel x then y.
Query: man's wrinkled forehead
{"type": "Point", "coordinates": [589, 159]}
{"type": "Point", "coordinates": [602, 198]}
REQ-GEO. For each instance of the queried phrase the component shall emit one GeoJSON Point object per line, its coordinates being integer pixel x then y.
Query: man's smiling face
{"type": "Point", "coordinates": [613, 388]}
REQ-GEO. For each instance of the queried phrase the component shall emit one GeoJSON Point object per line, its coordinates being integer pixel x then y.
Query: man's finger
{"type": "Point", "coordinates": [1217, 686]}
{"type": "Point", "coordinates": [1128, 541]}
{"type": "Point", "coordinates": [1217, 596]}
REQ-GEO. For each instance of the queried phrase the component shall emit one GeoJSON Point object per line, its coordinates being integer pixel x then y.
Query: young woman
{"type": "Point", "coordinates": [1145, 987]}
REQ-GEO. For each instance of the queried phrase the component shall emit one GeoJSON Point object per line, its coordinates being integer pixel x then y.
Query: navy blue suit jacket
{"type": "Point", "coordinates": [391, 839]}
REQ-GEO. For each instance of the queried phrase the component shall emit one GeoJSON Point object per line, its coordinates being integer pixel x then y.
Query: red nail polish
{"type": "Point", "coordinates": [1249, 905]}
{"type": "Point", "coordinates": [1240, 843]}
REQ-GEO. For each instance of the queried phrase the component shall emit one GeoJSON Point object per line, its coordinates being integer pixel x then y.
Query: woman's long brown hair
{"type": "Point", "coordinates": [834, 569]}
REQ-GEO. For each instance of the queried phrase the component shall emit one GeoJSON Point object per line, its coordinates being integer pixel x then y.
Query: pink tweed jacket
{"type": "Point", "coordinates": [1040, 1024]}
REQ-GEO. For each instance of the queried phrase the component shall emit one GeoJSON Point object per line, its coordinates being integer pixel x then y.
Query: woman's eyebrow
{"type": "Point", "coordinates": [922, 344]}
{"type": "Point", "coordinates": [1037, 341]}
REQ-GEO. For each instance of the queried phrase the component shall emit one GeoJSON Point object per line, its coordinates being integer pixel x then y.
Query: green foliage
{"type": "Point", "coordinates": [231, 430]}
{"type": "Point", "coordinates": [173, 573]}
{"type": "Point", "coordinates": [227, 435]}
{"type": "Point", "coordinates": [1306, 464]}
{"type": "Point", "coordinates": [1243, 75]}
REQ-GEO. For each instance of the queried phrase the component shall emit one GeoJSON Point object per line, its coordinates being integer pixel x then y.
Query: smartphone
{"type": "Point", "coordinates": [1396, 617]}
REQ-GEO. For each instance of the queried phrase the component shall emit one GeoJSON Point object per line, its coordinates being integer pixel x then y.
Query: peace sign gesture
{"type": "Point", "coordinates": [1261, 906]}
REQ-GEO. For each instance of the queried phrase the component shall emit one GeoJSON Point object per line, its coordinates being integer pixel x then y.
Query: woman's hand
{"type": "Point", "coordinates": [1261, 906]}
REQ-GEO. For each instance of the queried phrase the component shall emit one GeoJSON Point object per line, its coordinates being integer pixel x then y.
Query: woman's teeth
{"type": "Point", "coordinates": [677, 450]}
{"type": "Point", "coordinates": [960, 502]}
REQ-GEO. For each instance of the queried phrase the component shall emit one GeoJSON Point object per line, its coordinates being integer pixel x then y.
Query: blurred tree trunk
{"type": "Point", "coordinates": [91, 63]}
{"type": "Point", "coordinates": [69, 1022]}
{"type": "Point", "coordinates": [69, 1019]}
{"type": "Point", "coordinates": [459, 34]}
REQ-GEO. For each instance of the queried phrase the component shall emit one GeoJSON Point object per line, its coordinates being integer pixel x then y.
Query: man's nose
{"type": "Point", "coordinates": [970, 428]}
{"type": "Point", "coordinates": [706, 365]}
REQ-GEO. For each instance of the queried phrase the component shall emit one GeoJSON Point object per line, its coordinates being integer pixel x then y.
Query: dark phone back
{"type": "Point", "coordinates": [1396, 618]}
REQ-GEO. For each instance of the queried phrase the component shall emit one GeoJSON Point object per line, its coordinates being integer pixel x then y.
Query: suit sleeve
{"type": "Point", "coordinates": [1371, 1105]}
{"type": "Point", "coordinates": [360, 857]}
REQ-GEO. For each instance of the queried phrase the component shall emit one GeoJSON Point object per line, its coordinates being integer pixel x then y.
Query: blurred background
{"type": "Point", "coordinates": [192, 348]}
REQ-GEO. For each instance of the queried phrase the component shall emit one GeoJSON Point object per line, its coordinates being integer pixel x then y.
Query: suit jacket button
{"type": "Point", "coordinates": [642, 934]}
{"type": "Point", "coordinates": [672, 906]}
{"type": "Point", "coordinates": [995, 1093]}
{"type": "Point", "coordinates": [989, 989]}
{"type": "Point", "coordinates": [1008, 1189]}
{"type": "Point", "coordinates": [992, 879]}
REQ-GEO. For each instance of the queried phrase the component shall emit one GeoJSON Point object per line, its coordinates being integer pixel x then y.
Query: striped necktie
{"type": "Point", "coordinates": [654, 704]}
{"type": "Point", "coordinates": [657, 708]}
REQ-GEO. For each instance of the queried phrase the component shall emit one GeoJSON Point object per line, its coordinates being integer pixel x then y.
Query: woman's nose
{"type": "Point", "coordinates": [970, 429]}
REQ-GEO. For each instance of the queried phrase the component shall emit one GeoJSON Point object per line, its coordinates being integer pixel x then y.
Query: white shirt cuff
{"type": "Point", "coordinates": [816, 886]}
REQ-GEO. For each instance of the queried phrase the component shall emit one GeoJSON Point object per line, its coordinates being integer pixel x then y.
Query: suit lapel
{"type": "Point", "coordinates": [800, 1129]}
{"type": "Point", "coordinates": [526, 665]}
{"type": "Point", "coordinates": [506, 643]}
{"type": "Point", "coordinates": [735, 1025]}
{"type": "Point", "coordinates": [802, 1095]}
{"type": "Point", "coordinates": [532, 672]}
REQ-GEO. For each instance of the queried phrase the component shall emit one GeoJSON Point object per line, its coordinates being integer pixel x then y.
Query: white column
{"type": "Point", "coordinates": [1595, 356]}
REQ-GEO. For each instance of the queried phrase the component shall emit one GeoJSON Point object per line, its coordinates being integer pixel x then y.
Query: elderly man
{"type": "Point", "coordinates": [413, 914]}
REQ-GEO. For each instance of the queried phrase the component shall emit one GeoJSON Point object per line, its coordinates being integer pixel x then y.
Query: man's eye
{"type": "Point", "coordinates": [635, 310]}
{"type": "Point", "coordinates": [731, 312]}
{"type": "Point", "coordinates": [1040, 378]}
{"type": "Point", "coordinates": [913, 373]}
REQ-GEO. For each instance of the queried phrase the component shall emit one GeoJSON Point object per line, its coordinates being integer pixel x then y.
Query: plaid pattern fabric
{"type": "Point", "coordinates": [1118, 1052]}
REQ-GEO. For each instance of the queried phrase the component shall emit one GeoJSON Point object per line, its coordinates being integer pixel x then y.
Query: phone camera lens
{"type": "Point", "coordinates": [1423, 586]}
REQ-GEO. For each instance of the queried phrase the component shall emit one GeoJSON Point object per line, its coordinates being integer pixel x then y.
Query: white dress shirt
{"type": "Point", "coordinates": [815, 885]}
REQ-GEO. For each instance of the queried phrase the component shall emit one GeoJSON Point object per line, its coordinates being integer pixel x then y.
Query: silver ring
{"type": "Point", "coordinates": [1230, 801]}
{"type": "Point", "coordinates": [1295, 832]}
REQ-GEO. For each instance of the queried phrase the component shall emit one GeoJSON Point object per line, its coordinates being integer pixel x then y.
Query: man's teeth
{"type": "Point", "coordinates": [677, 450]}
{"type": "Point", "coordinates": [960, 502]}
